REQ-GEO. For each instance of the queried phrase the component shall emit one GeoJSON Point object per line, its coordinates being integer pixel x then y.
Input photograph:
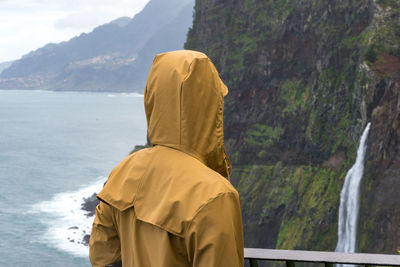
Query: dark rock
{"type": "Point", "coordinates": [89, 204]}
{"type": "Point", "coordinates": [85, 240]}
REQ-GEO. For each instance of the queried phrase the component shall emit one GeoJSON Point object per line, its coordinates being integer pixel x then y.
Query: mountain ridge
{"type": "Point", "coordinates": [4, 65]}
{"type": "Point", "coordinates": [96, 61]}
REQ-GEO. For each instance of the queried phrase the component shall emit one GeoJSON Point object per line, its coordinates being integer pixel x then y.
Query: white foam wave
{"type": "Point", "coordinates": [132, 94]}
{"type": "Point", "coordinates": [42, 91]}
{"type": "Point", "coordinates": [66, 222]}
{"type": "Point", "coordinates": [125, 95]}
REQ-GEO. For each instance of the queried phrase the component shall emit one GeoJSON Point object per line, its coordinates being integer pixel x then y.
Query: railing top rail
{"type": "Point", "coordinates": [322, 257]}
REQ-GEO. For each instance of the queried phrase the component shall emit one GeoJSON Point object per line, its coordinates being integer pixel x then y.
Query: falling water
{"type": "Point", "coordinates": [349, 200]}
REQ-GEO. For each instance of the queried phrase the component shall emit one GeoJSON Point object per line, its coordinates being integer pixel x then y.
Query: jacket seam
{"type": "Point", "coordinates": [210, 200]}
{"type": "Point", "coordinates": [139, 186]}
{"type": "Point", "coordinates": [159, 226]}
{"type": "Point", "coordinates": [180, 102]}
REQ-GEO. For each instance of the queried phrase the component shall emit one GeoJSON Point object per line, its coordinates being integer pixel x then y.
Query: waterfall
{"type": "Point", "coordinates": [349, 200]}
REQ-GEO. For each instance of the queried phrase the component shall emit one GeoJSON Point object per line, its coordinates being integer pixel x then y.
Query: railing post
{"type": "Point", "coordinates": [253, 263]}
{"type": "Point", "coordinates": [327, 264]}
{"type": "Point", "coordinates": [289, 263]}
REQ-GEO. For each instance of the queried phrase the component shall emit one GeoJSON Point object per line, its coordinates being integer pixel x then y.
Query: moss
{"type": "Point", "coordinates": [246, 43]}
{"type": "Point", "coordinates": [371, 55]}
{"type": "Point", "coordinates": [262, 135]}
{"type": "Point", "coordinates": [301, 200]}
{"type": "Point", "coordinates": [262, 154]}
{"type": "Point", "coordinates": [318, 195]}
{"type": "Point", "coordinates": [394, 4]}
{"type": "Point", "coordinates": [341, 133]}
{"type": "Point", "coordinates": [349, 42]}
{"type": "Point", "coordinates": [234, 157]}
{"type": "Point", "coordinates": [296, 95]}
{"type": "Point", "coordinates": [271, 10]}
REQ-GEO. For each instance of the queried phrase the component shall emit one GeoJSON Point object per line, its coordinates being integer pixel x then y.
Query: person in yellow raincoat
{"type": "Point", "coordinates": [172, 205]}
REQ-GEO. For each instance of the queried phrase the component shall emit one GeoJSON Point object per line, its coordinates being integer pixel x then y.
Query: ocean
{"type": "Point", "coordinates": [57, 148]}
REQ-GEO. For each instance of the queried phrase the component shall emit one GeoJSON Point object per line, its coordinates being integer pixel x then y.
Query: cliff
{"type": "Point", "coordinates": [305, 76]}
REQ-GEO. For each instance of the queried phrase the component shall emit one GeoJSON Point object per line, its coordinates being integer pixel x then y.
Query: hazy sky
{"type": "Point", "coordinates": [26, 25]}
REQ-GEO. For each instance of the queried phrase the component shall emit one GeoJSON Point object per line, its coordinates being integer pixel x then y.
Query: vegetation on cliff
{"type": "Point", "coordinates": [305, 76]}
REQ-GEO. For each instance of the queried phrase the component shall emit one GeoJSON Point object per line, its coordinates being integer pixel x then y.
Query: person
{"type": "Point", "coordinates": [172, 204]}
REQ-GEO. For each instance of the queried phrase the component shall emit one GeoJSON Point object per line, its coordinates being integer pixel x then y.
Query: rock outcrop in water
{"type": "Point", "coordinates": [305, 76]}
{"type": "Point", "coordinates": [89, 205]}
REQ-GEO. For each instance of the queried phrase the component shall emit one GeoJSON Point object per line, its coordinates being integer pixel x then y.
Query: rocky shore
{"type": "Point", "coordinates": [89, 206]}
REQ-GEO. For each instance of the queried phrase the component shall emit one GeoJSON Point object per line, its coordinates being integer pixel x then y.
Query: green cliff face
{"type": "Point", "coordinates": [305, 76]}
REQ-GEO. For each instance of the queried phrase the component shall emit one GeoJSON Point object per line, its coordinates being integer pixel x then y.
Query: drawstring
{"type": "Point", "coordinates": [227, 168]}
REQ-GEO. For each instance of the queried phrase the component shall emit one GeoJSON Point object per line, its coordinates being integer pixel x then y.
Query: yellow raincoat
{"type": "Point", "coordinates": [170, 205]}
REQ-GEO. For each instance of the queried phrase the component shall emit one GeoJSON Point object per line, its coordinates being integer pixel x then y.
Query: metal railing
{"type": "Point", "coordinates": [328, 258]}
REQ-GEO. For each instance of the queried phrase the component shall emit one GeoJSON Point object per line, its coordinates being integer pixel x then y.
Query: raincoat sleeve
{"type": "Point", "coordinates": [104, 243]}
{"type": "Point", "coordinates": [215, 236]}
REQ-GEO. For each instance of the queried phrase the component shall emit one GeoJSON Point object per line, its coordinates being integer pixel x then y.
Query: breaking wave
{"type": "Point", "coordinates": [66, 223]}
{"type": "Point", "coordinates": [125, 94]}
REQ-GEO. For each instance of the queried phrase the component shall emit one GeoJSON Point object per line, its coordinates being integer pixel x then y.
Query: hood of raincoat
{"type": "Point", "coordinates": [184, 103]}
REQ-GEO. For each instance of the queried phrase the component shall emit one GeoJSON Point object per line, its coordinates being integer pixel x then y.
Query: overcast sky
{"type": "Point", "coordinates": [26, 25]}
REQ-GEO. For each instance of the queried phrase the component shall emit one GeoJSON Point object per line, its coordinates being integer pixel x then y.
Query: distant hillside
{"type": "Point", "coordinates": [113, 57]}
{"type": "Point", "coordinates": [5, 65]}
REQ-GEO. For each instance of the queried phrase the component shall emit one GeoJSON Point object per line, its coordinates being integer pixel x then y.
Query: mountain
{"type": "Point", "coordinates": [305, 77]}
{"type": "Point", "coordinates": [110, 58]}
{"type": "Point", "coordinates": [5, 65]}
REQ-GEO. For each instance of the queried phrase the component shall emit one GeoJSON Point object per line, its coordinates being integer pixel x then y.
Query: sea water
{"type": "Point", "coordinates": [57, 148]}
